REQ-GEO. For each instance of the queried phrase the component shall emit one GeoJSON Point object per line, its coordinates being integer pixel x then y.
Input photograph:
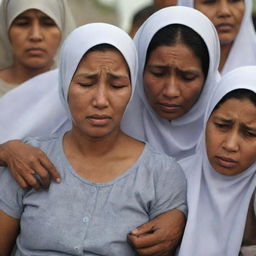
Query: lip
{"type": "Point", "coordinates": [98, 120]}
{"type": "Point", "coordinates": [226, 162]}
{"type": "Point", "coordinates": [224, 27]}
{"type": "Point", "coordinates": [35, 51]}
{"type": "Point", "coordinates": [167, 107]}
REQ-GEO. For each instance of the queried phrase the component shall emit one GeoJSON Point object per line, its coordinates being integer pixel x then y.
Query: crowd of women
{"type": "Point", "coordinates": [150, 143]}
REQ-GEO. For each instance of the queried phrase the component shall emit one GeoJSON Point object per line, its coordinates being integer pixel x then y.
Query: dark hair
{"type": "Point", "coordinates": [240, 94]}
{"type": "Point", "coordinates": [102, 48]}
{"type": "Point", "coordinates": [177, 33]}
{"type": "Point", "coordinates": [107, 47]}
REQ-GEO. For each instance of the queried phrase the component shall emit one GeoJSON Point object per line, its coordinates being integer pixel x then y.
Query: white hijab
{"type": "Point", "coordinates": [35, 108]}
{"type": "Point", "coordinates": [178, 137]}
{"type": "Point", "coordinates": [84, 38]}
{"type": "Point", "coordinates": [57, 10]}
{"type": "Point", "coordinates": [243, 51]}
{"type": "Point", "coordinates": [218, 204]}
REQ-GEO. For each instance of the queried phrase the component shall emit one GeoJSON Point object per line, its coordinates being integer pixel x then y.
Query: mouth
{"type": "Point", "coordinates": [35, 51]}
{"type": "Point", "coordinates": [226, 162]}
{"type": "Point", "coordinates": [169, 108]}
{"type": "Point", "coordinates": [224, 27]}
{"type": "Point", "coordinates": [98, 120]}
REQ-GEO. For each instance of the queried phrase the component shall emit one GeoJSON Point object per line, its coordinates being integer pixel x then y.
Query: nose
{"type": "Point", "coordinates": [223, 9]}
{"type": "Point", "coordinates": [231, 142]}
{"type": "Point", "coordinates": [171, 88]}
{"type": "Point", "coordinates": [100, 99]}
{"type": "Point", "coordinates": [35, 33]}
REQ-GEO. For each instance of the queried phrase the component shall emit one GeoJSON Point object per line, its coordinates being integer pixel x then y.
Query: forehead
{"type": "Point", "coordinates": [109, 59]}
{"type": "Point", "coordinates": [32, 13]}
{"type": "Point", "coordinates": [167, 54]}
{"type": "Point", "coordinates": [242, 110]}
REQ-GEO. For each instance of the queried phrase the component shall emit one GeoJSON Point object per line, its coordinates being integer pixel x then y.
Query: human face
{"type": "Point", "coordinates": [99, 92]}
{"type": "Point", "coordinates": [164, 3]}
{"type": "Point", "coordinates": [34, 38]}
{"type": "Point", "coordinates": [231, 136]}
{"type": "Point", "coordinates": [226, 15]}
{"type": "Point", "coordinates": [173, 80]}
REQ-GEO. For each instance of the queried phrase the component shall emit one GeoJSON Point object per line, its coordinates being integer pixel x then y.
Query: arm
{"type": "Point", "coordinates": [160, 236]}
{"type": "Point", "coordinates": [9, 228]}
{"type": "Point", "coordinates": [24, 160]}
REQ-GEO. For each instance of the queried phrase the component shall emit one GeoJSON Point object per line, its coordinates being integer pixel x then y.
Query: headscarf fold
{"type": "Point", "coordinates": [243, 51]}
{"type": "Point", "coordinates": [57, 10]}
{"type": "Point", "coordinates": [176, 137]}
{"type": "Point", "coordinates": [217, 203]}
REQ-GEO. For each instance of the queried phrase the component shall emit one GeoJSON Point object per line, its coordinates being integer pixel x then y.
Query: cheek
{"type": "Point", "coordinates": [192, 92]}
{"type": "Point", "coordinates": [152, 87]}
{"type": "Point", "coordinates": [54, 39]}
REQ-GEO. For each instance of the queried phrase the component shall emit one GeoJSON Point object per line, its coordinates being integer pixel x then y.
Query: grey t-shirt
{"type": "Point", "coordinates": [78, 217]}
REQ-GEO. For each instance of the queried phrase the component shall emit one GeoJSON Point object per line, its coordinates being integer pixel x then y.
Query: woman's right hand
{"type": "Point", "coordinates": [25, 162]}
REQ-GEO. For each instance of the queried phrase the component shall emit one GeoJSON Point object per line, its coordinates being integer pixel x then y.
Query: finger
{"type": "Point", "coordinates": [41, 175]}
{"type": "Point", "coordinates": [47, 164]}
{"type": "Point", "coordinates": [144, 229]}
{"type": "Point", "coordinates": [20, 181]}
{"type": "Point", "coordinates": [31, 181]}
{"type": "Point", "coordinates": [144, 241]}
{"type": "Point", "coordinates": [154, 250]}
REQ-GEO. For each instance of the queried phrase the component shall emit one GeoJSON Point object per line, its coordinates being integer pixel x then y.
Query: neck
{"type": "Point", "coordinates": [17, 74]}
{"type": "Point", "coordinates": [225, 50]}
{"type": "Point", "coordinates": [89, 146]}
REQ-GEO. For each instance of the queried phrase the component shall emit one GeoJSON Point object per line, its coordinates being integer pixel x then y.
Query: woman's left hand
{"type": "Point", "coordinates": [160, 236]}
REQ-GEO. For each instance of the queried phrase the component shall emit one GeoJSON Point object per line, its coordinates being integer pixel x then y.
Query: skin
{"type": "Point", "coordinates": [34, 38]}
{"type": "Point", "coordinates": [226, 15]}
{"type": "Point", "coordinates": [164, 3]}
{"type": "Point", "coordinates": [172, 86]}
{"type": "Point", "coordinates": [231, 137]}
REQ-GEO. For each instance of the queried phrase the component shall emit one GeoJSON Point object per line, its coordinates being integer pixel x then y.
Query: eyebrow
{"type": "Point", "coordinates": [168, 67]}
{"type": "Point", "coordinates": [222, 119]}
{"type": "Point", "coordinates": [94, 76]}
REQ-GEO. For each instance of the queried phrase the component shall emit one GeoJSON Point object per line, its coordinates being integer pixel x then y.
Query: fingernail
{"type": "Point", "coordinates": [58, 180]}
{"type": "Point", "coordinates": [134, 232]}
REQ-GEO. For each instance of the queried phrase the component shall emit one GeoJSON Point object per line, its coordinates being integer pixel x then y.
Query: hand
{"type": "Point", "coordinates": [160, 236]}
{"type": "Point", "coordinates": [25, 161]}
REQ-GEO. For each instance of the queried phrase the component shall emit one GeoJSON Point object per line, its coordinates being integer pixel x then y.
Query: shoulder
{"type": "Point", "coordinates": [161, 163]}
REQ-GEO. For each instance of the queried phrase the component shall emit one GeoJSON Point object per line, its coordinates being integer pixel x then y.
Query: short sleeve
{"type": "Point", "coordinates": [170, 188]}
{"type": "Point", "coordinates": [11, 195]}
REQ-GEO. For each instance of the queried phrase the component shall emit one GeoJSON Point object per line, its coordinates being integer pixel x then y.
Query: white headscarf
{"type": "Point", "coordinates": [57, 10]}
{"type": "Point", "coordinates": [178, 137]}
{"type": "Point", "coordinates": [86, 37]}
{"type": "Point", "coordinates": [243, 51]}
{"type": "Point", "coordinates": [218, 204]}
{"type": "Point", "coordinates": [35, 108]}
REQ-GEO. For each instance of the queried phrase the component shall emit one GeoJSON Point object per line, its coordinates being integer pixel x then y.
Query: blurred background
{"type": "Point", "coordinates": [117, 12]}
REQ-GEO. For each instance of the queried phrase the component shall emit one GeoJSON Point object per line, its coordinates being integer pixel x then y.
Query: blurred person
{"type": "Point", "coordinates": [233, 22]}
{"type": "Point", "coordinates": [31, 33]}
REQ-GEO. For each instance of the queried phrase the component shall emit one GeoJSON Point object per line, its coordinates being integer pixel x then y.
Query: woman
{"type": "Point", "coordinates": [222, 174]}
{"type": "Point", "coordinates": [169, 101]}
{"type": "Point", "coordinates": [107, 176]}
{"type": "Point", "coordinates": [30, 33]}
{"type": "Point", "coordinates": [233, 21]}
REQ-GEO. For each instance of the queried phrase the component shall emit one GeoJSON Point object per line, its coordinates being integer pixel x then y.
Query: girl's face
{"type": "Point", "coordinates": [99, 92]}
{"type": "Point", "coordinates": [173, 80]}
{"type": "Point", "coordinates": [35, 38]}
{"type": "Point", "coordinates": [231, 136]}
{"type": "Point", "coordinates": [226, 15]}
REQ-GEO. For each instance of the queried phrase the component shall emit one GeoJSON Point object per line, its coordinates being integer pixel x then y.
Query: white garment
{"type": "Point", "coordinates": [243, 51]}
{"type": "Point", "coordinates": [38, 110]}
{"type": "Point", "coordinates": [218, 204]}
{"type": "Point", "coordinates": [58, 10]}
{"type": "Point", "coordinates": [177, 137]}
